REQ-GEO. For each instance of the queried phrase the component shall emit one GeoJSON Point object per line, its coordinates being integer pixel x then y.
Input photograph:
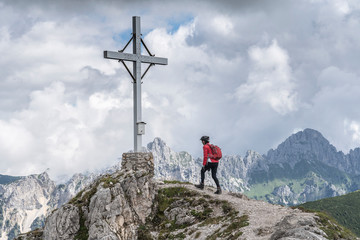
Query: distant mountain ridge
{"type": "Point", "coordinates": [305, 167]}
{"type": "Point", "coordinates": [311, 144]}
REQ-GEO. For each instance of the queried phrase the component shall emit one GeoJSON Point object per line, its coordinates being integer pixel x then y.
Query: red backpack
{"type": "Point", "coordinates": [216, 152]}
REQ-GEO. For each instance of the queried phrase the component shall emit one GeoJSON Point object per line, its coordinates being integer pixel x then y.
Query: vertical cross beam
{"type": "Point", "coordinates": [137, 59]}
{"type": "Point", "coordinates": [137, 83]}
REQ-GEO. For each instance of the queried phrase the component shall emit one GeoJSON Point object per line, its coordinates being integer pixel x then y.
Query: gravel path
{"type": "Point", "coordinates": [266, 221]}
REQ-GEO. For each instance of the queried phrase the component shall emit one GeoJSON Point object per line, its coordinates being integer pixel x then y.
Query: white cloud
{"type": "Point", "coordinates": [67, 138]}
{"type": "Point", "coordinates": [222, 25]}
{"type": "Point", "coordinates": [71, 106]}
{"type": "Point", "coordinates": [353, 128]}
{"type": "Point", "coordinates": [270, 80]}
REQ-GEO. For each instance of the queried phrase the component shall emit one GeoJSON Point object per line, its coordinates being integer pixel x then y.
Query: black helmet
{"type": "Point", "coordinates": [205, 138]}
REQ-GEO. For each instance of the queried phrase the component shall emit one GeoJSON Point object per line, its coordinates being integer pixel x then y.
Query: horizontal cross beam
{"type": "Point", "coordinates": [135, 57]}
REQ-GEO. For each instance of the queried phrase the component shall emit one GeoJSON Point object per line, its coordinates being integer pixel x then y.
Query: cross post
{"type": "Point", "coordinates": [137, 59]}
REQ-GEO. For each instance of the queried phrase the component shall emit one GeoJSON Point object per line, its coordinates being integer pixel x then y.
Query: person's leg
{"type": "Point", "coordinates": [213, 173]}
{"type": "Point", "coordinates": [214, 167]}
{"type": "Point", "coordinates": [203, 170]}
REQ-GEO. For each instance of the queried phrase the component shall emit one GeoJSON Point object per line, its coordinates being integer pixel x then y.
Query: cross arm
{"type": "Point", "coordinates": [120, 56]}
{"type": "Point", "coordinates": [154, 60]}
{"type": "Point", "coordinates": [134, 57]}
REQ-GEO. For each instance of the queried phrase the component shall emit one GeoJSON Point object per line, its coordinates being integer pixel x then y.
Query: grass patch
{"type": "Point", "coordinates": [201, 216]}
{"type": "Point", "coordinates": [214, 220]}
{"type": "Point", "coordinates": [344, 209]}
{"type": "Point", "coordinates": [108, 181]}
{"type": "Point", "coordinates": [226, 207]}
{"type": "Point", "coordinates": [332, 229]}
{"type": "Point", "coordinates": [83, 233]}
{"type": "Point", "coordinates": [231, 231]}
{"type": "Point", "coordinates": [330, 226]}
{"type": "Point", "coordinates": [144, 233]}
{"type": "Point", "coordinates": [166, 197]}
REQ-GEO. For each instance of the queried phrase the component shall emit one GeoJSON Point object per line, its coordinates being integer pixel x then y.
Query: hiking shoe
{"type": "Point", "coordinates": [200, 186]}
{"type": "Point", "coordinates": [218, 191]}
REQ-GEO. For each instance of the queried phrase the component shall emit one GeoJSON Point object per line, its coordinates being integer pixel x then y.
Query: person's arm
{"type": "Point", "coordinates": [206, 154]}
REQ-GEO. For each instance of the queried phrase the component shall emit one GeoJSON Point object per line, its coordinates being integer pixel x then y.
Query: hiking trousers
{"type": "Point", "coordinates": [213, 167]}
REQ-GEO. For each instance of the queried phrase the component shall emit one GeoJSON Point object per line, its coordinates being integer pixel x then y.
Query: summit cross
{"type": "Point", "coordinates": [137, 59]}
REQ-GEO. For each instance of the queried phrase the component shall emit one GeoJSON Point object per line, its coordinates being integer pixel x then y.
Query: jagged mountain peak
{"type": "Point", "coordinates": [306, 140]}
{"type": "Point", "coordinates": [309, 135]}
{"type": "Point", "coordinates": [308, 145]}
{"type": "Point", "coordinates": [252, 153]}
{"type": "Point", "coordinates": [42, 177]}
{"type": "Point", "coordinates": [157, 143]}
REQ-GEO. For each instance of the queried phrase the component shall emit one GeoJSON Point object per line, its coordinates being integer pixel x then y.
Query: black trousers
{"type": "Point", "coordinates": [213, 167]}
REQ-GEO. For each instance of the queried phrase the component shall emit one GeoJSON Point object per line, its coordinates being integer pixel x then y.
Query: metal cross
{"type": "Point", "coordinates": [137, 59]}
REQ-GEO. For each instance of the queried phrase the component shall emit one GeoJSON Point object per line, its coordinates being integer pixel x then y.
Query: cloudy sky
{"type": "Point", "coordinates": [247, 73]}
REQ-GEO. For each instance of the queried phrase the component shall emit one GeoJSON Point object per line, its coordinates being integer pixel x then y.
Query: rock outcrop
{"type": "Point", "coordinates": [22, 202]}
{"type": "Point", "coordinates": [111, 208]}
{"type": "Point", "coordinates": [25, 202]}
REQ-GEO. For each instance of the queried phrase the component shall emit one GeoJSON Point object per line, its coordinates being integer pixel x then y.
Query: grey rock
{"type": "Point", "coordinates": [63, 224]}
{"type": "Point", "coordinates": [112, 207]}
{"type": "Point", "coordinates": [298, 227]}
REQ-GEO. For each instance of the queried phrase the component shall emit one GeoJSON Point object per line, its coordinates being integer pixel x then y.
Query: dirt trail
{"type": "Point", "coordinates": [265, 219]}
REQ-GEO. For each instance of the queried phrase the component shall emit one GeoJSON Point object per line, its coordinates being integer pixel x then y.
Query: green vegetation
{"type": "Point", "coordinates": [82, 199]}
{"type": "Point", "coordinates": [231, 231]}
{"type": "Point", "coordinates": [202, 215]}
{"type": "Point", "coordinates": [83, 233]}
{"type": "Point", "coordinates": [307, 172]}
{"type": "Point", "coordinates": [197, 235]}
{"type": "Point", "coordinates": [344, 209]}
{"type": "Point", "coordinates": [165, 198]}
{"type": "Point", "coordinates": [332, 229]}
{"type": "Point", "coordinates": [226, 207]}
{"type": "Point", "coordinates": [301, 170]}
{"type": "Point", "coordinates": [108, 181]}
{"type": "Point", "coordinates": [144, 233]}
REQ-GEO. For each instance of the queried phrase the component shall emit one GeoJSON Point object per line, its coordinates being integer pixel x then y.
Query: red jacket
{"type": "Point", "coordinates": [207, 151]}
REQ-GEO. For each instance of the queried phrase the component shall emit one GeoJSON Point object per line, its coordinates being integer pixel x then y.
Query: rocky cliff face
{"type": "Point", "coordinates": [26, 201]}
{"type": "Point", "coordinates": [112, 207]}
{"type": "Point", "coordinates": [170, 165]}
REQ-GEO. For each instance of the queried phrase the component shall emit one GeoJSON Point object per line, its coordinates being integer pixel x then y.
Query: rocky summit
{"type": "Point", "coordinates": [130, 204]}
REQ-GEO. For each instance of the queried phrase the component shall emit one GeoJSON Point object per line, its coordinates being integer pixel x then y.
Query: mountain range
{"type": "Point", "coordinates": [305, 167]}
{"type": "Point", "coordinates": [131, 204]}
